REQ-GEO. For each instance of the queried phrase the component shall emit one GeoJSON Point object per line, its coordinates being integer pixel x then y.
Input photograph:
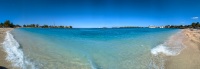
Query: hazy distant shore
{"type": "Point", "coordinates": [3, 61]}
{"type": "Point", "coordinates": [189, 56]}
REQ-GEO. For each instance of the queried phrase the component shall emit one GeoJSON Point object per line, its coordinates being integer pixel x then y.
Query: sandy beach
{"type": "Point", "coordinates": [3, 62]}
{"type": "Point", "coordinates": [189, 56]}
{"type": "Point", "coordinates": [187, 59]}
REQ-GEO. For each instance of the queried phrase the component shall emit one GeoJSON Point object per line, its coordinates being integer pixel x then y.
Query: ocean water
{"type": "Point", "coordinates": [87, 48]}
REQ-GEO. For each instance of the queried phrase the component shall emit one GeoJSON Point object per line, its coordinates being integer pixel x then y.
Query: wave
{"type": "Point", "coordinates": [165, 50]}
{"type": "Point", "coordinates": [159, 53]}
{"type": "Point", "coordinates": [172, 47]}
{"type": "Point", "coordinates": [158, 60]}
{"type": "Point", "coordinates": [15, 53]}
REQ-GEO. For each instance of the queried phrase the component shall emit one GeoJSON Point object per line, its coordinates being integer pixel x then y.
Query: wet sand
{"type": "Point", "coordinates": [189, 58]}
{"type": "Point", "coordinates": [3, 61]}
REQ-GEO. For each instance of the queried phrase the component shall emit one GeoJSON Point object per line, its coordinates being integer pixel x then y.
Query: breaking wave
{"type": "Point", "coordinates": [172, 47]}
{"type": "Point", "coordinates": [165, 50]}
{"type": "Point", "coordinates": [15, 53]}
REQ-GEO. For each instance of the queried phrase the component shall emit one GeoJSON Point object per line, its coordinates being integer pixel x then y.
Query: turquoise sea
{"type": "Point", "coordinates": [86, 48]}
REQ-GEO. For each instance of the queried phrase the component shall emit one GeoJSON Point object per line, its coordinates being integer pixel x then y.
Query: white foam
{"type": "Point", "coordinates": [172, 47]}
{"type": "Point", "coordinates": [163, 49]}
{"type": "Point", "coordinates": [14, 53]}
{"type": "Point", "coordinates": [169, 48]}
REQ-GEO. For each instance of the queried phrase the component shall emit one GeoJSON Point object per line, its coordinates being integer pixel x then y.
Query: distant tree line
{"type": "Point", "coordinates": [195, 25]}
{"type": "Point", "coordinates": [44, 26]}
{"type": "Point", "coordinates": [8, 24]}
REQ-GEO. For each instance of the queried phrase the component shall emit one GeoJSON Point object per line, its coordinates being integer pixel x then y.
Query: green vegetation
{"type": "Point", "coordinates": [8, 24]}
{"type": "Point", "coordinates": [44, 26]}
{"type": "Point", "coordinates": [194, 25]}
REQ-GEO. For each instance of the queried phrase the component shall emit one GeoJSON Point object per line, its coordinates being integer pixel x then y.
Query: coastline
{"type": "Point", "coordinates": [3, 61]}
{"type": "Point", "coordinates": [189, 56]}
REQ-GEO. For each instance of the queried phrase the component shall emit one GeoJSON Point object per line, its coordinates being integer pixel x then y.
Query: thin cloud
{"type": "Point", "coordinates": [195, 17]}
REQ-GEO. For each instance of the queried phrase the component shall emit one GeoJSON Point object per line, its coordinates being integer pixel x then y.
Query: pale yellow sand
{"type": "Point", "coordinates": [3, 54]}
{"type": "Point", "coordinates": [189, 58]}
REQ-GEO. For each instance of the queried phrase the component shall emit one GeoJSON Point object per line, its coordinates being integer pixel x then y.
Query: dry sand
{"type": "Point", "coordinates": [3, 62]}
{"type": "Point", "coordinates": [189, 58]}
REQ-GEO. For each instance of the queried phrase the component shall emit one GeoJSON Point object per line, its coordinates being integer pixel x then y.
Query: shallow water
{"type": "Point", "coordinates": [90, 48]}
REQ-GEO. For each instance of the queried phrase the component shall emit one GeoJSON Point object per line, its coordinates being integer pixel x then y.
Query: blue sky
{"type": "Point", "coordinates": [100, 13]}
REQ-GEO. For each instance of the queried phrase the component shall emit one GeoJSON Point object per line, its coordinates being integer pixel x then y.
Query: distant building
{"type": "Point", "coordinates": [161, 27]}
{"type": "Point", "coordinates": [152, 26]}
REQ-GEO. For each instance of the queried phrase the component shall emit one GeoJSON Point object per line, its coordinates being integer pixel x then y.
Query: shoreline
{"type": "Point", "coordinates": [3, 62]}
{"type": "Point", "coordinates": [188, 58]}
